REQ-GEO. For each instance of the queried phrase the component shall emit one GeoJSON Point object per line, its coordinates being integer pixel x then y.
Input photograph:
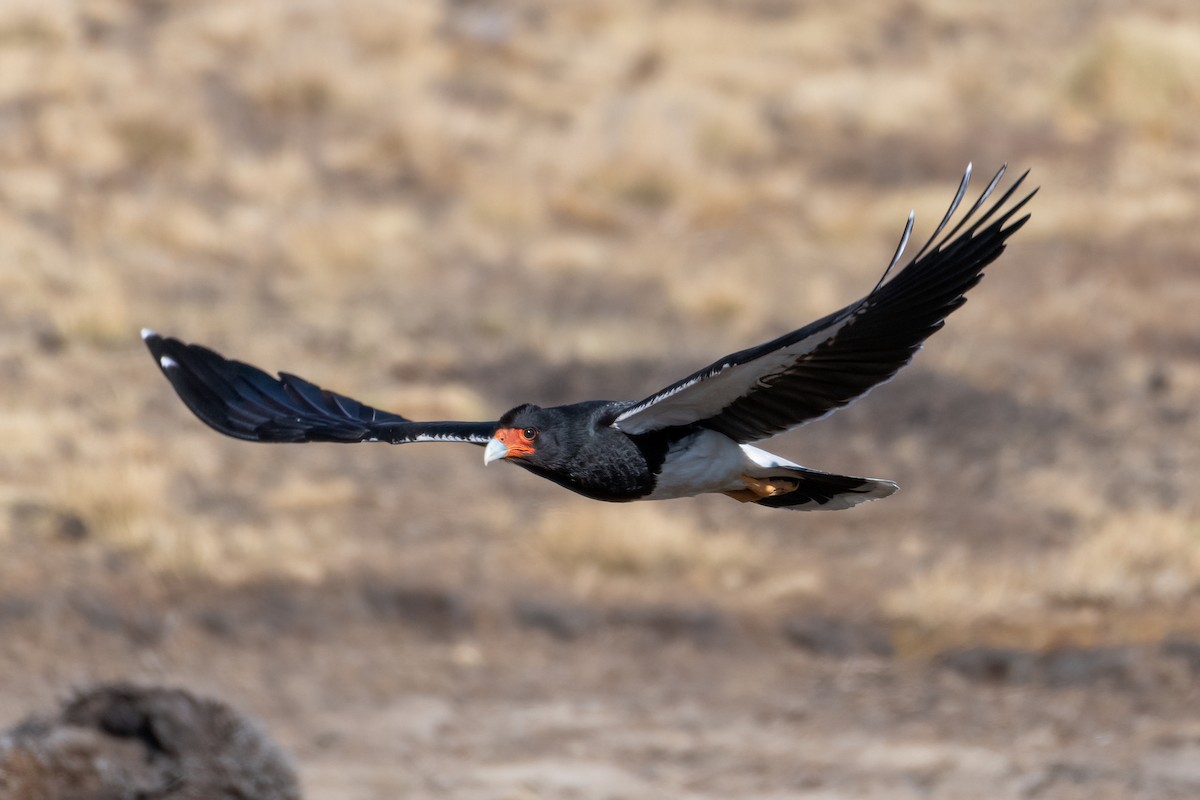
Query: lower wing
{"type": "Point", "coordinates": [242, 401]}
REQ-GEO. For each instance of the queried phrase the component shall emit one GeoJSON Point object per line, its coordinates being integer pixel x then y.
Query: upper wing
{"type": "Point", "coordinates": [810, 372]}
{"type": "Point", "coordinates": [242, 401]}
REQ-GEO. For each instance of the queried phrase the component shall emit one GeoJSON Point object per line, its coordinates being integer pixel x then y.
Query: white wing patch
{"type": "Point", "coordinates": [447, 437]}
{"type": "Point", "coordinates": [432, 437]}
{"type": "Point", "coordinates": [767, 460]}
{"type": "Point", "coordinates": [705, 394]}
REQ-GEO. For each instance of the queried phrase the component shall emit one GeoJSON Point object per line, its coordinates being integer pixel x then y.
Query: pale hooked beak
{"type": "Point", "coordinates": [494, 451]}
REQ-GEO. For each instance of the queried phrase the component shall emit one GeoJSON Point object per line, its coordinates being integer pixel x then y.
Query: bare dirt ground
{"type": "Point", "coordinates": [447, 209]}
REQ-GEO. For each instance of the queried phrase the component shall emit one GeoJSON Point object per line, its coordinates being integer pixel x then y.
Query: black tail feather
{"type": "Point", "coordinates": [824, 491]}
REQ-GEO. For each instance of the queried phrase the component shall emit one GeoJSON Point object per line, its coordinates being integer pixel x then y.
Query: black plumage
{"type": "Point", "coordinates": [242, 401]}
{"type": "Point", "coordinates": [689, 438]}
{"type": "Point", "coordinates": [842, 356]}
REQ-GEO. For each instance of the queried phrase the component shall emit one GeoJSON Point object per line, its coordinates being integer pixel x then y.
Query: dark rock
{"type": "Point", "coordinates": [270, 608]}
{"type": "Point", "coordinates": [992, 664]}
{"type": "Point", "coordinates": [39, 521]}
{"type": "Point", "coordinates": [49, 339]}
{"type": "Point", "coordinates": [123, 742]}
{"type": "Point", "coordinates": [141, 628]}
{"type": "Point", "coordinates": [699, 625]}
{"type": "Point", "coordinates": [218, 622]}
{"type": "Point", "coordinates": [1158, 381]}
{"type": "Point", "coordinates": [829, 636]}
{"type": "Point", "coordinates": [98, 612]}
{"type": "Point", "coordinates": [561, 622]}
{"type": "Point", "coordinates": [1064, 667]}
{"type": "Point", "coordinates": [1186, 649]}
{"type": "Point", "coordinates": [12, 608]}
{"type": "Point", "coordinates": [435, 610]}
{"type": "Point", "coordinates": [1075, 667]}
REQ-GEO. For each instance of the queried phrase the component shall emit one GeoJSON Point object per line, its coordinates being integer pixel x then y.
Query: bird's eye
{"type": "Point", "coordinates": [529, 434]}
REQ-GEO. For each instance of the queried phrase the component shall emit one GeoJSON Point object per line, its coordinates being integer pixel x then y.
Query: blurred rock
{"type": "Point", "coordinates": [437, 611]}
{"type": "Point", "coordinates": [1186, 649]}
{"type": "Point", "coordinates": [143, 628]}
{"type": "Point", "coordinates": [701, 625]}
{"type": "Point", "coordinates": [123, 742]}
{"type": "Point", "coordinates": [1065, 667]}
{"type": "Point", "coordinates": [558, 620]}
{"type": "Point", "coordinates": [991, 664]}
{"type": "Point", "coordinates": [49, 339]}
{"type": "Point", "coordinates": [17, 607]}
{"type": "Point", "coordinates": [828, 636]}
{"type": "Point", "coordinates": [45, 522]}
{"type": "Point", "coordinates": [1086, 667]}
{"type": "Point", "coordinates": [219, 622]}
{"type": "Point", "coordinates": [1158, 381]}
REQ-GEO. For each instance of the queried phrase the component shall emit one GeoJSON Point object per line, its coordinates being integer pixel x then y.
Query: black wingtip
{"type": "Point", "coordinates": [152, 341]}
{"type": "Point", "coordinates": [157, 347]}
{"type": "Point", "coordinates": [204, 392]}
{"type": "Point", "coordinates": [243, 401]}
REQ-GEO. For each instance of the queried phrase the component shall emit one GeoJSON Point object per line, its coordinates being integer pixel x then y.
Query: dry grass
{"type": "Point", "coordinates": [92, 309]}
{"type": "Point", "coordinates": [136, 509]}
{"type": "Point", "coordinates": [1118, 570]}
{"type": "Point", "coordinates": [448, 209]}
{"type": "Point", "coordinates": [122, 507]}
{"type": "Point", "coordinates": [1140, 72]}
{"type": "Point", "coordinates": [1131, 561]}
{"type": "Point", "coordinates": [643, 543]}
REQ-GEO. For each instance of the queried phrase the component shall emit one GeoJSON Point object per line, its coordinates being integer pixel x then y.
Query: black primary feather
{"type": "Point", "coordinates": [812, 371]}
{"type": "Point", "coordinates": [242, 401]}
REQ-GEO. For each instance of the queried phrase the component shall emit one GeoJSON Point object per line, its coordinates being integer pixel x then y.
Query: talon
{"type": "Point", "coordinates": [767, 488]}
{"type": "Point", "coordinates": [743, 495]}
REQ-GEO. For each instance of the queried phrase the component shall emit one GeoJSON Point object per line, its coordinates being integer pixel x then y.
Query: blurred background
{"type": "Point", "coordinates": [448, 208]}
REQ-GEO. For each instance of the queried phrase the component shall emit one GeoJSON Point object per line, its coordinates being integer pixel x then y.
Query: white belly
{"type": "Point", "coordinates": [707, 461]}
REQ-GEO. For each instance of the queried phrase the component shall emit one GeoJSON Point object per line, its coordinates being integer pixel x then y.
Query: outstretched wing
{"type": "Point", "coordinates": [242, 401]}
{"type": "Point", "coordinates": [813, 371]}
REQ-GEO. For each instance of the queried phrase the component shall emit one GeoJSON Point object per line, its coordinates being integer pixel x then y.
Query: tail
{"type": "Point", "coordinates": [778, 483]}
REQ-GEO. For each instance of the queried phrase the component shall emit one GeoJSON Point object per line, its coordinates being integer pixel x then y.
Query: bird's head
{"type": "Point", "coordinates": [518, 435]}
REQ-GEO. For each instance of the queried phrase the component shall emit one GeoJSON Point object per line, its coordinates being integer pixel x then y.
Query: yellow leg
{"type": "Point", "coordinates": [757, 489]}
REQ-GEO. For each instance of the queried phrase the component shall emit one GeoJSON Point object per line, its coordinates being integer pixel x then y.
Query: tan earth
{"type": "Point", "coordinates": [448, 209]}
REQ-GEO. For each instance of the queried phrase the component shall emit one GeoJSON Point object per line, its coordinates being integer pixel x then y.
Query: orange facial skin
{"type": "Point", "coordinates": [517, 440]}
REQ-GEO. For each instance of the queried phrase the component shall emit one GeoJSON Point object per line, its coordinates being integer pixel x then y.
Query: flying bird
{"type": "Point", "coordinates": [692, 437]}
